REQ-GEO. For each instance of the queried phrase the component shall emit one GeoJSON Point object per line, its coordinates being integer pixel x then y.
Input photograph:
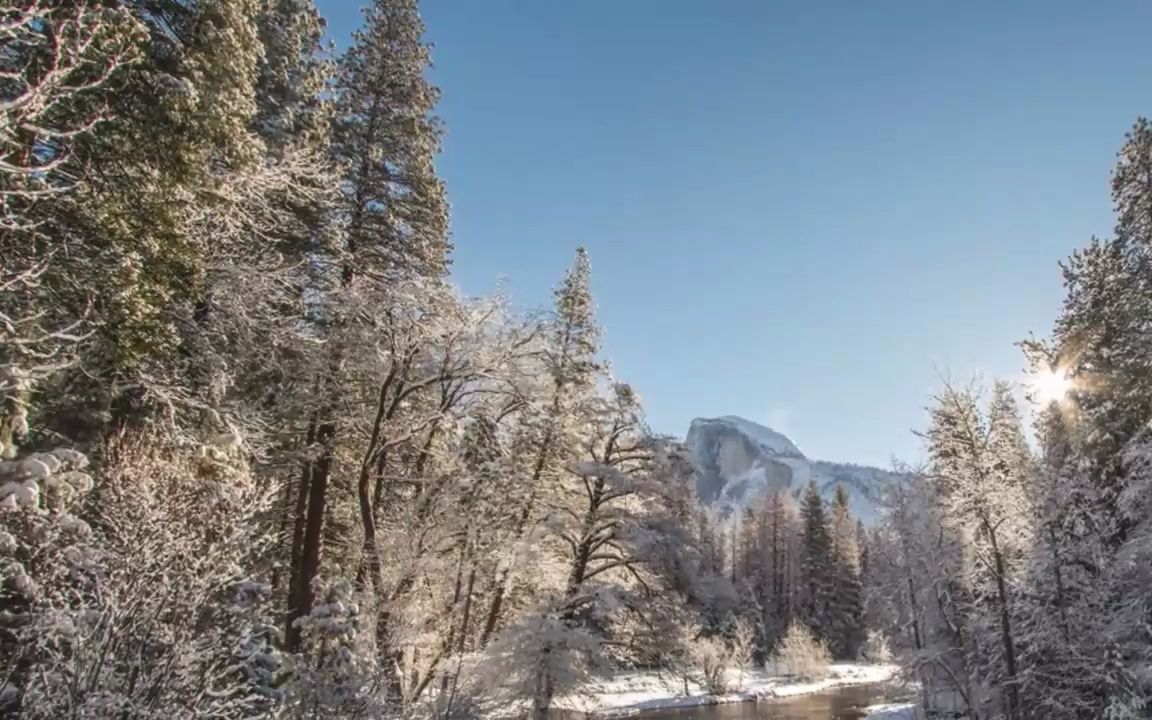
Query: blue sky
{"type": "Point", "coordinates": [797, 212]}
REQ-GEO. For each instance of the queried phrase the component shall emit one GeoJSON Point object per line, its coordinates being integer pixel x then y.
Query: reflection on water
{"type": "Point", "coordinates": [846, 703]}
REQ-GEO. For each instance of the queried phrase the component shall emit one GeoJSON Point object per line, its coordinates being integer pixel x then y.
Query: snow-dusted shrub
{"type": "Point", "coordinates": [144, 606]}
{"type": "Point", "coordinates": [876, 647]}
{"type": "Point", "coordinates": [743, 645]}
{"type": "Point", "coordinates": [538, 654]}
{"type": "Point", "coordinates": [332, 676]}
{"type": "Point", "coordinates": [801, 655]}
{"type": "Point", "coordinates": [713, 657]}
{"type": "Point", "coordinates": [45, 558]}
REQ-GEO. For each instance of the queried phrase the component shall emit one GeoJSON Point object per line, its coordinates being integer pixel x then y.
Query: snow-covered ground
{"type": "Point", "coordinates": [630, 693]}
{"type": "Point", "coordinates": [895, 711]}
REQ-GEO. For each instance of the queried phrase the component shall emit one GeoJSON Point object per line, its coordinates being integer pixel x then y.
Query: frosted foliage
{"type": "Point", "coordinates": [44, 554]}
{"type": "Point", "coordinates": [800, 654]}
{"type": "Point", "coordinates": [713, 657]}
{"type": "Point", "coordinates": [36, 493]}
{"type": "Point", "coordinates": [333, 676]}
{"type": "Point", "coordinates": [86, 51]}
{"type": "Point", "coordinates": [538, 648]}
{"type": "Point", "coordinates": [95, 598]}
{"type": "Point", "coordinates": [876, 647]}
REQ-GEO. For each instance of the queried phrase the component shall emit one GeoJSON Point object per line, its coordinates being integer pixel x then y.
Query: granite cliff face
{"type": "Point", "coordinates": [738, 462]}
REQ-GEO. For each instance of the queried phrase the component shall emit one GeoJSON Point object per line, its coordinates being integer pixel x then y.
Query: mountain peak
{"type": "Point", "coordinates": [738, 462]}
{"type": "Point", "coordinates": [776, 442]}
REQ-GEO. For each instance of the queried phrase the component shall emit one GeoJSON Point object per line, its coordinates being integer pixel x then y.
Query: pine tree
{"type": "Point", "coordinates": [385, 140]}
{"type": "Point", "coordinates": [293, 119]}
{"type": "Point", "coordinates": [165, 206]}
{"type": "Point", "coordinates": [550, 432]}
{"type": "Point", "coordinates": [747, 548]}
{"type": "Point", "coordinates": [816, 564]}
{"type": "Point", "coordinates": [1091, 526]}
{"type": "Point", "coordinates": [1101, 340]}
{"type": "Point", "coordinates": [289, 108]}
{"type": "Point", "coordinates": [1065, 611]}
{"type": "Point", "coordinates": [977, 471]}
{"type": "Point", "coordinates": [777, 540]}
{"type": "Point", "coordinates": [62, 70]}
{"type": "Point", "coordinates": [846, 611]}
{"type": "Point", "coordinates": [393, 226]}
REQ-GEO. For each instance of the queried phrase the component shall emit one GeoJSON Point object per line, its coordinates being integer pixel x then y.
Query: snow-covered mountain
{"type": "Point", "coordinates": [738, 462]}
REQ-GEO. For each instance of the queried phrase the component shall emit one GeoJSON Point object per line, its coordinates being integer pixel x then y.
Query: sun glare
{"type": "Point", "coordinates": [1051, 385]}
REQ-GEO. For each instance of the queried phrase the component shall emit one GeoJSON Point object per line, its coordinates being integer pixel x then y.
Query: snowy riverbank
{"type": "Point", "coordinates": [893, 711]}
{"type": "Point", "coordinates": [630, 693]}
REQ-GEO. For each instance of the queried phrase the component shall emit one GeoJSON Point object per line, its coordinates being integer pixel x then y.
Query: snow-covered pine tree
{"type": "Point", "coordinates": [778, 537]}
{"type": "Point", "coordinates": [817, 560]}
{"type": "Point", "coordinates": [385, 140]}
{"type": "Point", "coordinates": [551, 427]}
{"type": "Point", "coordinates": [393, 228]}
{"type": "Point", "coordinates": [61, 69]}
{"type": "Point", "coordinates": [1101, 340]}
{"type": "Point", "coordinates": [290, 110]}
{"type": "Point", "coordinates": [1114, 403]}
{"type": "Point", "coordinates": [980, 484]}
{"type": "Point", "coordinates": [168, 204]}
{"type": "Point", "coordinates": [1064, 612]}
{"type": "Point", "coordinates": [847, 602]}
{"type": "Point", "coordinates": [747, 553]}
{"type": "Point", "coordinates": [862, 546]}
{"type": "Point", "coordinates": [1089, 523]}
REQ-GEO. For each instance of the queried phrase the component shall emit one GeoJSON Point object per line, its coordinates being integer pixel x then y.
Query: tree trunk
{"type": "Point", "coordinates": [543, 690]}
{"type": "Point", "coordinates": [1060, 606]}
{"type": "Point", "coordinates": [1005, 628]}
{"type": "Point", "coordinates": [542, 699]}
{"type": "Point", "coordinates": [296, 551]}
{"type": "Point", "coordinates": [370, 555]}
{"type": "Point", "coordinates": [313, 535]}
{"type": "Point", "coordinates": [504, 574]}
{"type": "Point", "coordinates": [915, 612]}
{"type": "Point", "coordinates": [466, 613]}
{"type": "Point", "coordinates": [453, 627]}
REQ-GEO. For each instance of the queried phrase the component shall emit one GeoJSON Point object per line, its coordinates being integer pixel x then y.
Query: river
{"type": "Point", "coordinates": [843, 703]}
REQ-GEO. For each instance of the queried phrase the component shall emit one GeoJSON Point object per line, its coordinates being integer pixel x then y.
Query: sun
{"type": "Point", "coordinates": [1051, 385]}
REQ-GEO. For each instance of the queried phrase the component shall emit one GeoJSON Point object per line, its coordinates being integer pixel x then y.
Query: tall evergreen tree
{"type": "Point", "coordinates": [1101, 340]}
{"type": "Point", "coordinates": [1091, 525]}
{"type": "Point", "coordinates": [385, 140]}
{"type": "Point", "coordinates": [290, 110]}
{"type": "Point", "coordinates": [778, 531]}
{"type": "Point", "coordinates": [551, 430]}
{"type": "Point", "coordinates": [846, 611]}
{"type": "Point", "coordinates": [817, 559]}
{"type": "Point", "coordinates": [392, 220]}
{"type": "Point", "coordinates": [985, 509]}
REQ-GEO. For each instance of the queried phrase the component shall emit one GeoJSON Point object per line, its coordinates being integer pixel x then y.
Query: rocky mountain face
{"type": "Point", "coordinates": [738, 462]}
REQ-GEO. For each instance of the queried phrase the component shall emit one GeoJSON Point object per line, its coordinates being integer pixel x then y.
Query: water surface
{"type": "Point", "coordinates": [843, 703]}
